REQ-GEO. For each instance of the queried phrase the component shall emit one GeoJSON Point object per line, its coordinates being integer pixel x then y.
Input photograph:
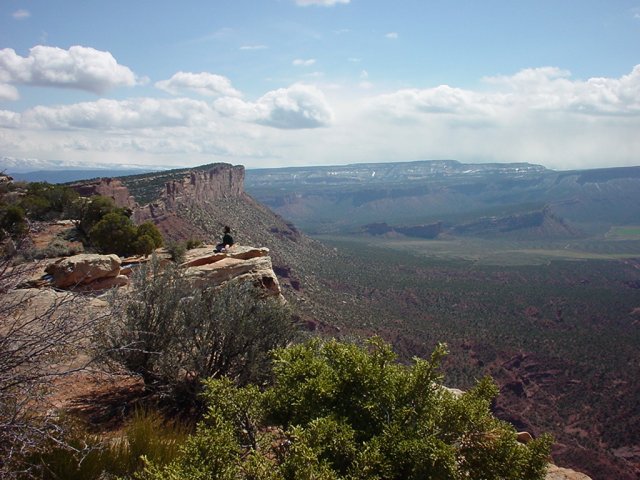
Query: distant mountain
{"type": "Point", "coordinates": [344, 198]}
{"type": "Point", "coordinates": [65, 176]}
{"type": "Point", "coordinates": [60, 171]}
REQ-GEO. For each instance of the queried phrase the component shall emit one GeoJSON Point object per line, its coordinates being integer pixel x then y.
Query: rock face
{"type": "Point", "coordinates": [196, 187]}
{"type": "Point", "coordinates": [108, 187]}
{"type": "Point", "coordinates": [222, 180]}
{"type": "Point", "coordinates": [245, 264]}
{"type": "Point", "coordinates": [87, 270]}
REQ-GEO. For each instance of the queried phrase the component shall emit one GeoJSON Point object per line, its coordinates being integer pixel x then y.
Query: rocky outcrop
{"type": "Point", "coordinates": [558, 473]}
{"type": "Point", "coordinates": [241, 263]}
{"type": "Point", "coordinates": [107, 187]}
{"type": "Point", "coordinates": [95, 272]}
{"type": "Point", "coordinates": [203, 267]}
{"type": "Point", "coordinates": [196, 187]}
{"type": "Point", "coordinates": [220, 181]}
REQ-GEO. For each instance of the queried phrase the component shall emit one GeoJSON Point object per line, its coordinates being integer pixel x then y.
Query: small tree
{"type": "Point", "coordinates": [114, 233]}
{"type": "Point", "coordinates": [148, 229]}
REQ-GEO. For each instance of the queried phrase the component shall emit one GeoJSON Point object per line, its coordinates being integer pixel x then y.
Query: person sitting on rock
{"type": "Point", "coordinates": [227, 241]}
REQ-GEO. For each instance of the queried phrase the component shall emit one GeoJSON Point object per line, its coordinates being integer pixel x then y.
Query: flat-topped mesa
{"type": "Point", "coordinates": [220, 181]}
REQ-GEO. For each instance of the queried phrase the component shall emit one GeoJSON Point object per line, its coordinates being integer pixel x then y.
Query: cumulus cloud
{"type": "Point", "coordinates": [82, 68]}
{"type": "Point", "coordinates": [392, 35]}
{"type": "Point", "coordinates": [299, 62]}
{"type": "Point", "coordinates": [550, 88]}
{"type": "Point", "coordinates": [106, 114]}
{"type": "Point", "coordinates": [528, 91]}
{"type": "Point", "coordinates": [297, 107]}
{"type": "Point", "coordinates": [21, 14]}
{"type": "Point", "coordinates": [322, 3]}
{"type": "Point", "coordinates": [9, 119]}
{"type": "Point", "coordinates": [206, 84]}
{"type": "Point", "coordinates": [8, 92]}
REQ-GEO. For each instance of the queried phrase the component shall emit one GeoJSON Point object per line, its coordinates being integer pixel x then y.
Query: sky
{"type": "Point", "coordinates": [274, 83]}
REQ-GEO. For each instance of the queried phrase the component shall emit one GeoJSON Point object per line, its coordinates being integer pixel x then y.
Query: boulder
{"type": "Point", "coordinates": [83, 269]}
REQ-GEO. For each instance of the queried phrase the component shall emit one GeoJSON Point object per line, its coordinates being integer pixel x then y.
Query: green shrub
{"type": "Point", "coordinates": [58, 247]}
{"type": "Point", "coordinates": [193, 243]}
{"type": "Point", "coordinates": [43, 201]}
{"type": "Point", "coordinates": [147, 436]}
{"type": "Point", "coordinates": [91, 212]}
{"type": "Point", "coordinates": [148, 229]}
{"type": "Point", "coordinates": [143, 245]}
{"type": "Point", "coordinates": [177, 250]}
{"type": "Point", "coordinates": [174, 335]}
{"type": "Point", "coordinates": [13, 222]}
{"type": "Point", "coordinates": [114, 233]}
{"type": "Point", "coordinates": [347, 412]}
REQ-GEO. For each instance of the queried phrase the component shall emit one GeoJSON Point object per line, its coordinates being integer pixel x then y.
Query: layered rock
{"type": "Point", "coordinates": [242, 263]}
{"type": "Point", "coordinates": [220, 181]}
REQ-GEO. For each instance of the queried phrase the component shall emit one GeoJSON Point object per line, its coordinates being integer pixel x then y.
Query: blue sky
{"type": "Point", "coordinates": [307, 82]}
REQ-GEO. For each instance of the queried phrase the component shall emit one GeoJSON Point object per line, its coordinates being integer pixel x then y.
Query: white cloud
{"type": "Point", "coordinates": [107, 114]}
{"type": "Point", "coordinates": [528, 91]}
{"type": "Point", "coordinates": [322, 3]}
{"type": "Point", "coordinates": [298, 62]}
{"type": "Point", "coordinates": [392, 35]}
{"type": "Point", "coordinates": [297, 107]}
{"type": "Point", "coordinates": [9, 119]}
{"type": "Point", "coordinates": [253, 47]}
{"type": "Point", "coordinates": [21, 14]}
{"type": "Point", "coordinates": [539, 115]}
{"type": "Point", "coordinates": [8, 92]}
{"type": "Point", "coordinates": [79, 67]}
{"type": "Point", "coordinates": [206, 84]}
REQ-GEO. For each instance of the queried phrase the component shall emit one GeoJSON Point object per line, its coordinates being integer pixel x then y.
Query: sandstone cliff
{"type": "Point", "coordinates": [188, 189]}
{"type": "Point", "coordinates": [220, 181]}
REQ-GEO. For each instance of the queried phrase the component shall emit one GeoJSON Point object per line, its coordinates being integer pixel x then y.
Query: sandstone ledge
{"type": "Point", "coordinates": [558, 473]}
{"type": "Point", "coordinates": [207, 268]}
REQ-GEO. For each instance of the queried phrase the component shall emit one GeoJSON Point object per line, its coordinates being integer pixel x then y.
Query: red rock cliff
{"type": "Point", "coordinates": [221, 181]}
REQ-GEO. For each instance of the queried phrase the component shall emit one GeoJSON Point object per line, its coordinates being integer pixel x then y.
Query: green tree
{"type": "Point", "coordinates": [149, 238]}
{"type": "Point", "coordinates": [344, 412]}
{"type": "Point", "coordinates": [114, 233]}
{"type": "Point", "coordinates": [43, 200]}
{"type": "Point", "coordinates": [93, 211]}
